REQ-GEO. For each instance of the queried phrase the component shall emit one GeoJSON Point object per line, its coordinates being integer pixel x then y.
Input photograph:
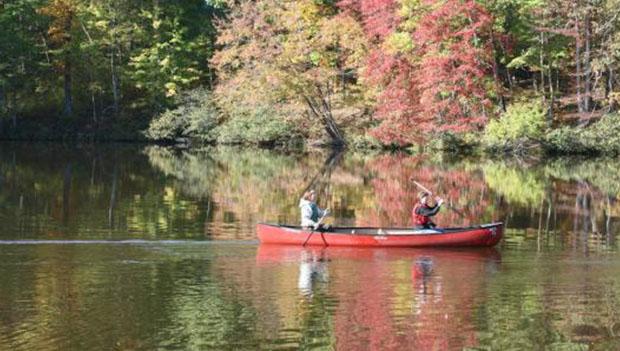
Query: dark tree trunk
{"type": "Point", "coordinates": [2, 101]}
{"type": "Point", "coordinates": [551, 98]}
{"type": "Point", "coordinates": [115, 90]}
{"type": "Point", "coordinates": [68, 109]}
{"type": "Point", "coordinates": [542, 67]}
{"type": "Point", "coordinates": [509, 80]}
{"type": "Point", "coordinates": [500, 86]}
{"type": "Point", "coordinates": [115, 78]}
{"type": "Point", "coordinates": [2, 106]}
{"type": "Point", "coordinates": [496, 75]}
{"type": "Point", "coordinates": [11, 106]}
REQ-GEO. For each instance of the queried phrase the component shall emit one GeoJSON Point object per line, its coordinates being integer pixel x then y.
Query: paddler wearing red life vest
{"type": "Point", "coordinates": [423, 211]}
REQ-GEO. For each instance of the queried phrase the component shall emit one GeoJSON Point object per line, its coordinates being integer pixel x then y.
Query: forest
{"type": "Point", "coordinates": [501, 75]}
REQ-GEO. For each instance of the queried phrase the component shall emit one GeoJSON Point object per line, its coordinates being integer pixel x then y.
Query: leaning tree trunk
{"type": "Point", "coordinates": [320, 108]}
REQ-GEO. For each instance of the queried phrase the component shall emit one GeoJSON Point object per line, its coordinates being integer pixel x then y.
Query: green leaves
{"type": "Point", "coordinates": [521, 123]}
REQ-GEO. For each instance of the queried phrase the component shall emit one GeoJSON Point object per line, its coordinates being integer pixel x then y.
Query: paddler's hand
{"type": "Point", "coordinates": [327, 212]}
{"type": "Point", "coordinates": [439, 201]}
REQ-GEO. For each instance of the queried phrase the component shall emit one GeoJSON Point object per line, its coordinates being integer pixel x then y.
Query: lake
{"type": "Point", "coordinates": [141, 247]}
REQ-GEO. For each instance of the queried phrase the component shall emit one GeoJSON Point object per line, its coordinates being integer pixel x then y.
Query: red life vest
{"type": "Point", "coordinates": [419, 220]}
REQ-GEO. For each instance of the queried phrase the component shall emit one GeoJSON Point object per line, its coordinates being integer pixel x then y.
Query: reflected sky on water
{"type": "Point", "coordinates": [145, 247]}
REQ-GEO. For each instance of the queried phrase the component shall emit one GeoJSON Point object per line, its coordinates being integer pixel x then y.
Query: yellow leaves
{"type": "Point", "coordinates": [171, 89]}
{"type": "Point", "coordinates": [102, 25]}
{"type": "Point", "coordinates": [410, 12]}
{"type": "Point", "coordinates": [309, 11]}
{"type": "Point", "coordinates": [345, 34]}
{"type": "Point", "coordinates": [399, 42]}
{"type": "Point", "coordinates": [62, 13]}
{"type": "Point", "coordinates": [165, 63]}
{"type": "Point", "coordinates": [169, 194]}
{"type": "Point", "coordinates": [156, 23]}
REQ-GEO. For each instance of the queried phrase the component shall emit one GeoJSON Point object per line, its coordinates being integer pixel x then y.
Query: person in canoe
{"type": "Point", "coordinates": [311, 213]}
{"type": "Point", "coordinates": [423, 211]}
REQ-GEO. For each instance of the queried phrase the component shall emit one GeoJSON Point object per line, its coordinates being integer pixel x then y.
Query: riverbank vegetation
{"type": "Point", "coordinates": [509, 76]}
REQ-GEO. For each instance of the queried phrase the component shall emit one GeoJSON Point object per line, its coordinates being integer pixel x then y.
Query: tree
{"type": "Point", "coordinates": [62, 45]}
{"type": "Point", "coordinates": [174, 51]}
{"type": "Point", "coordinates": [433, 62]}
{"type": "Point", "coordinates": [453, 72]}
{"type": "Point", "coordinates": [20, 60]}
{"type": "Point", "coordinates": [294, 56]}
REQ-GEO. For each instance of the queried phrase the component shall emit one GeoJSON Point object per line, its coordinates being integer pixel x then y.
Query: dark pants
{"type": "Point", "coordinates": [322, 228]}
{"type": "Point", "coordinates": [427, 226]}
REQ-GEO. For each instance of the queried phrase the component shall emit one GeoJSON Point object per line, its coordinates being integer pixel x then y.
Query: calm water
{"type": "Point", "coordinates": [139, 248]}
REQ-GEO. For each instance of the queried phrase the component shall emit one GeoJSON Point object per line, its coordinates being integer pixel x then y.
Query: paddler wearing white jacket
{"type": "Point", "coordinates": [311, 213]}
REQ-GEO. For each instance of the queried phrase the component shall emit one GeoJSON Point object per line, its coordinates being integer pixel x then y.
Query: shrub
{"type": "Point", "coordinates": [454, 143]}
{"type": "Point", "coordinates": [565, 140]}
{"type": "Point", "coordinates": [602, 137]}
{"type": "Point", "coordinates": [521, 126]}
{"type": "Point", "coordinates": [363, 143]}
{"type": "Point", "coordinates": [260, 127]}
{"type": "Point", "coordinates": [195, 117]}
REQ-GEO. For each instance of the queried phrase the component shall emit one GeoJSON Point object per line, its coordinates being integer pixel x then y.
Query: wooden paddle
{"type": "Point", "coordinates": [431, 193]}
{"type": "Point", "coordinates": [318, 224]}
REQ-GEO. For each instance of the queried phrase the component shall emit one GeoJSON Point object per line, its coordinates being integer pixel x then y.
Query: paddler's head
{"type": "Point", "coordinates": [310, 195]}
{"type": "Point", "coordinates": [423, 196]}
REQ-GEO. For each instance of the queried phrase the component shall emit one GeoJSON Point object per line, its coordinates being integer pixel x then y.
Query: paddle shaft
{"type": "Point", "coordinates": [317, 226]}
{"type": "Point", "coordinates": [422, 187]}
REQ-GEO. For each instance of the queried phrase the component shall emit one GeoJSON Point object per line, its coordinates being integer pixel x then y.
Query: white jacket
{"type": "Point", "coordinates": [306, 213]}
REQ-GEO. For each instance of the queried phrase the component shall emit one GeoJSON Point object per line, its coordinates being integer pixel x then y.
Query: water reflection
{"type": "Point", "coordinates": [125, 192]}
{"type": "Point", "coordinates": [312, 271]}
{"type": "Point", "coordinates": [165, 239]}
{"type": "Point", "coordinates": [388, 298]}
{"type": "Point", "coordinates": [180, 295]}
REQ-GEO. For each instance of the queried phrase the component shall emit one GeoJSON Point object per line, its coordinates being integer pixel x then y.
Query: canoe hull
{"type": "Point", "coordinates": [480, 236]}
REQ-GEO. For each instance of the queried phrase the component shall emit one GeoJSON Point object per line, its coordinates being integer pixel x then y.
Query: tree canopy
{"type": "Point", "coordinates": [347, 71]}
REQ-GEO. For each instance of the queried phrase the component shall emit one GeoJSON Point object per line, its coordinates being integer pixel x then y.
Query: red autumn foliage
{"type": "Point", "coordinates": [442, 84]}
{"type": "Point", "coordinates": [455, 63]}
{"type": "Point", "coordinates": [378, 16]}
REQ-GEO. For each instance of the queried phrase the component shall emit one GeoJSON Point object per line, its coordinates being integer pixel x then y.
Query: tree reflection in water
{"type": "Point", "coordinates": [558, 287]}
{"type": "Point", "coordinates": [220, 193]}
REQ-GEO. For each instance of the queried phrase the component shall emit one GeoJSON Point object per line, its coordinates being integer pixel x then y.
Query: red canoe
{"type": "Point", "coordinates": [482, 235]}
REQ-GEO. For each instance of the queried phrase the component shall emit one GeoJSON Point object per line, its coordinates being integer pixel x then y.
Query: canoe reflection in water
{"type": "Point", "coordinates": [387, 298]}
